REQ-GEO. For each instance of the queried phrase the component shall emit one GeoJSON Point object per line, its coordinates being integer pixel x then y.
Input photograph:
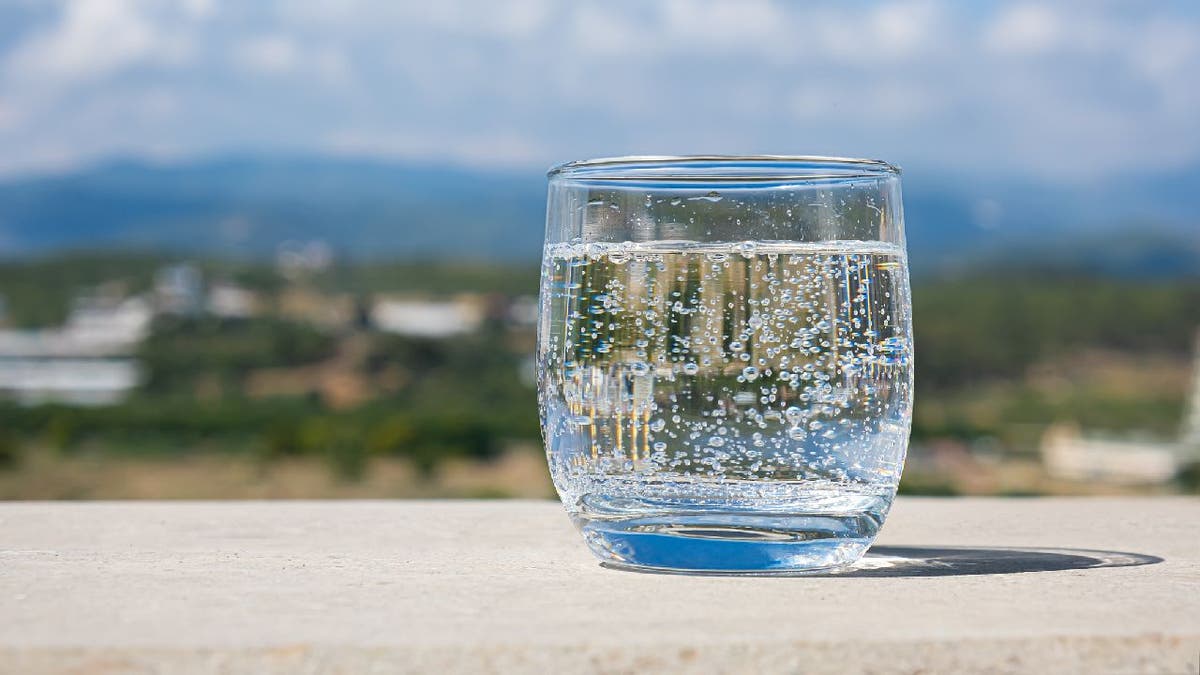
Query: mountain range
{"type": "Point", "coordinates": [1144, 224]}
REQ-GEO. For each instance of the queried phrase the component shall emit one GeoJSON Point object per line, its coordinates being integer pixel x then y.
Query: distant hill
{"type": "Point", "coordinates": [250, 206]}
{"type": "Point", "coordinates": [1142, 225]}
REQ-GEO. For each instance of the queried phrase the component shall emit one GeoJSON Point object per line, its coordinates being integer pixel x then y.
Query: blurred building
{"type": "Point", "coordinates": [427, 318]}
{"type": "Point", "coordinates": [527, 371]}
{"type": "Point", "coordinates": [1190, 434]}
{"type": "Point", "coordinates": [96, 327]}
{"type": "Point", "coordinates": [81, 382]}
{"type": "Point", "coordinates": [295, 259]}
{"type": "Point", "coordinates": [179, 289]}
{"type": "Point", "coordinates": [524, 311]}
{"type": "Point", "coordinates": [1069, 453]}
{"type": "Point", "coordinates": [87, 361]}
{"type": "Point", "coordinates": [230, 301]}
{"type": "Point", "coordinates": [307, 305]}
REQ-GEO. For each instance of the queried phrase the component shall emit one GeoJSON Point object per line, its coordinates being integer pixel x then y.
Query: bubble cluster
{"type": "Point", "coordinates": [699, 366]}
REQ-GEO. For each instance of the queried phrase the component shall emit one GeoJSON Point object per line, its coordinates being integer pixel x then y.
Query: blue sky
{"type": "Point", "coordinates": [1065, 91]}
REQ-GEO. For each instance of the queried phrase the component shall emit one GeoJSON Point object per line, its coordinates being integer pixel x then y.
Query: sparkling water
{"type": "Point", "coordinates": [697, 396]}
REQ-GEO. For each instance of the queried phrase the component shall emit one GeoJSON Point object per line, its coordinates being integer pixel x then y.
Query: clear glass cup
{"type": "Point", "coordinates": [725, 358]}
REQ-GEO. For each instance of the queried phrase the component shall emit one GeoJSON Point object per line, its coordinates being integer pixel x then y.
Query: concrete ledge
{"type": "Point", "coordinates": [955, 585]}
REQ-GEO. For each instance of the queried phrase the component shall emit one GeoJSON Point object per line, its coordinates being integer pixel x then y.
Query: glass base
{"type": "Point", "coordinates": [733, 543]}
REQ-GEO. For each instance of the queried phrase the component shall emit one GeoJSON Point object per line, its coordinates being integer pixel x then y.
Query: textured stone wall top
{"type": "Point", "coordinates": [954, 585]}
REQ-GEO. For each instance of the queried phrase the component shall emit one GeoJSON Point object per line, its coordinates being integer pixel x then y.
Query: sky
{"type": "Point", "coordinates": [1063, 92]}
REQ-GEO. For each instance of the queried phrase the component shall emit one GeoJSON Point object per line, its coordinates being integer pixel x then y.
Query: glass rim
{"type": "Point", "coordinates": [744, 168]}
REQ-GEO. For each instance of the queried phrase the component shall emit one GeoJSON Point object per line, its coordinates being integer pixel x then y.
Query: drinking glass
{"type": "Point", "coordinates": [724, 358]}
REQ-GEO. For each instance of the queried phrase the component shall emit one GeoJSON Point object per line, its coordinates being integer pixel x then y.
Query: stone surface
{"type": "Point", "coordinates": [954, 585]}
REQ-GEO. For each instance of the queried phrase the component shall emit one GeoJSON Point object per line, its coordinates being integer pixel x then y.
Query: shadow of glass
{"type": "Point", "coordinates": [948, 561]}
{"type": "Point", "coordinates": [938, 561]}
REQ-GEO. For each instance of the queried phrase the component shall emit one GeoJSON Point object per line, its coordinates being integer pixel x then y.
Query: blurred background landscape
{"type": "Point", "coordinates": [291, 249]}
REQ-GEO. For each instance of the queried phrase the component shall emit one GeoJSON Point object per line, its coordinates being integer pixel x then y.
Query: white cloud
{"type": "Point", "coordinates": [96, 39]}
{"type": "Point", "coordinates": [332, 65]}
{"type": "Point", "coordinates": [479, 149]}
{"type": "Point", "coordinates": [721, 24]}
{"type": "Point", "coordinates": [271, 54]}
{"type": "Point", "coordinates": [1167, 49]}
{"type": "Point", "coordinates": [1035, 88]}
{"type": "Point", "coordinates": [514, 19]}
{"type": "Point", "coordinates": [92, 39]}
{"type": "Point", "coordinates": [1024, 29]}
{"type": "Point", "coordinates": [905, 28]}
{"type": "Point", "coordinates": [784, 33]}
{"type": "Point", "coordinates": [8, 116]}
{"type": "Point", "coordinates": [199, 9]}
{"type": "Point", "coordinates": [596, 31]}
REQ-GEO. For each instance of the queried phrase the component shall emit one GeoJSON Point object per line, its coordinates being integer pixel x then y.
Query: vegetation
{"type": "Point", "coordinates": [181, 350]}
{"type": "Point", "coordinates": [973, 330]}
{"type": "Point", "coordinates": [980, 343]}
{"type": "Point", "coordinates": [38, 292]}
{"type": "Point", "coordinates": [432, 277]}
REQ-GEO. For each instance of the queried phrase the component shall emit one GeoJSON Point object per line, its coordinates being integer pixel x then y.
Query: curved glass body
{"type": "Point", "coordinates": [725, 358]}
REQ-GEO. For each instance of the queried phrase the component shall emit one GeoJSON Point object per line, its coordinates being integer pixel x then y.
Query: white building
{"type": "Point", "coordinates": [294, 259]}
{"type": "Point", "coordinates": [1069, 454]}
{"type": "Point", "coordinates": [87, 361]}
{"type": "Point", "coordinates": [229, 301]}
{"type": "Point", "coordinates": [426, 318]}
{"type": "Point", "coordinates": [94, 328]}
{"type": "Point", "coordinates": [524, 311]}
{"type": "Point", "coordinates": [72, 381]}
{"type": "Point", "coordinates": [179, 289]}
{"type": "Point", "coordinates": [1189, 435]}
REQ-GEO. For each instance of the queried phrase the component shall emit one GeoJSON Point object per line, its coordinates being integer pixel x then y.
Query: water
{"type": "Point", "coordinates": [733, 406]}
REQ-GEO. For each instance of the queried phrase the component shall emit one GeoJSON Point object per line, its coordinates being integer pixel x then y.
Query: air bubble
{"type": "Point", "coordinates": [789, 340]}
